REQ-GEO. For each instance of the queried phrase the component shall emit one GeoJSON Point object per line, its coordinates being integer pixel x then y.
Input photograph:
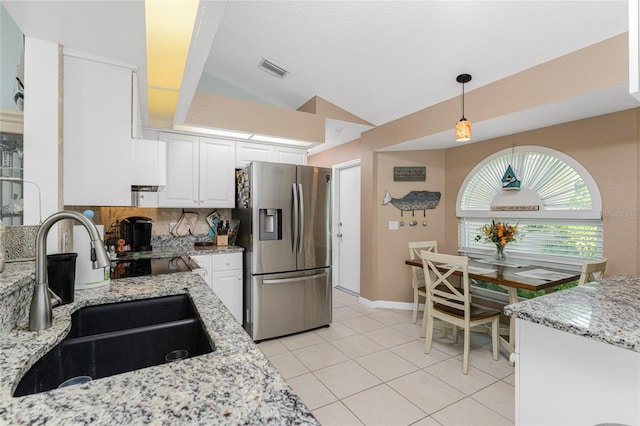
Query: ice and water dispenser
{"type": "Point", "coordinates": [270, 224]}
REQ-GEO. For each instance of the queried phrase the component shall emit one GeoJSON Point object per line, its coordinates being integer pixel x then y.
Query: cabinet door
{"type": "Point", "coordinates": [246, 152]}
{"type": "Point", "coordinates": [205, 263]}
{"type": "Point", "coordinates": [217, 173]}
{"type": "Point", "coordinates": [182, 171]}
{"type": "Point", "coordinates": [227, 286]}
{"type": "Point", "coordinates": [290, 155]}
{"type": "Point", "coordinates": [97, 133]}
{"type": "Point", "coordinates": [148, 162]}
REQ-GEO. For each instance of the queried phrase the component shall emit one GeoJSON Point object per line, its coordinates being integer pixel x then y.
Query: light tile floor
{"type": "Point", "coordinates": [369, 368]}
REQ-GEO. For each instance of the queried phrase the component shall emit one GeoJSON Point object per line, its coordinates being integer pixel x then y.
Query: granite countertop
{"type": "Point", "coordinates": [235, 384]}
{"type": "Point", "coordinates": [607, 311]}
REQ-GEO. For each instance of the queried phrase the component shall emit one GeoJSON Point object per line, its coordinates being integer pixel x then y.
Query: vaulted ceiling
{"type": "Point", "coordinates": [379, 60]}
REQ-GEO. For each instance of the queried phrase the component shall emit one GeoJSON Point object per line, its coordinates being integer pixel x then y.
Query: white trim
{"type": "Point", "coordinates": [335, 191]}
{"type": "Point", "coordinates": [73, 53]}
{"type": "Point", "coordinates": [388, 304]}
{"type": "Point", "coordinates": [634, 49]}
{"type": "Point", "coordinates": [347, 164]}
{"type": "Point", "coordinates": [596, 200]}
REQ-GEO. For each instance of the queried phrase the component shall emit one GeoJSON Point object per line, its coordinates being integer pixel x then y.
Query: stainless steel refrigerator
{"type": "Point", "coordinates": [285, 229]}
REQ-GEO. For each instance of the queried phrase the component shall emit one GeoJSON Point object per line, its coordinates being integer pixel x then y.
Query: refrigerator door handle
{"type": "Point", "coordinates": [294, 222]}
{"type": "Point", "coordinates": [301, 219]}
{"type": "Point", "coordinates": [290, 280]}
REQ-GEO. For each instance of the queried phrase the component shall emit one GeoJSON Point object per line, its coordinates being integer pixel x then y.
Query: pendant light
{"type": "Point", "coordinates": [463, 127]}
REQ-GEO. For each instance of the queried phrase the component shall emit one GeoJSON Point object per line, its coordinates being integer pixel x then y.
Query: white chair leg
{"type": "Point", "coordinates": [414, 318]}
{"type": "Point", "coordinates": [495, 328]}
{"type": "Point", "coordinates": [455, 334]}
{"type": "Point", "coordinates": [467, 346]}
{"type": "Point", "coordinates": [429, 333]}
{"type": "Point", "coordinates": [443, 330]}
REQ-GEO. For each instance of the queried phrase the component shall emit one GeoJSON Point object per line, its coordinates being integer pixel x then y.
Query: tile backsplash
{"type": "Point", "coordinates": [161, 218]}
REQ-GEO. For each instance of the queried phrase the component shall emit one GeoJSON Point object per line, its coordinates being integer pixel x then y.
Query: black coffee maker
{"type": "Point", "coordinates": [136, 231]}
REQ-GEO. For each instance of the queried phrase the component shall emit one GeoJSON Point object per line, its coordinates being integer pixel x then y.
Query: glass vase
{"type": "Point", "coordinates": [500, 255]}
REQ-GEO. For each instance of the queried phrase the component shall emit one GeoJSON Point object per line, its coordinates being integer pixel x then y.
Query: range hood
{"type": "Point", "coordinates": [146, 188]}
{"type": "Point", "coordinates": [149, 165]}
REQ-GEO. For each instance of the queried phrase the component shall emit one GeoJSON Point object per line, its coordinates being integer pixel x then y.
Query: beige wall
{"type": "Point", "coordinates": [604, 145]}
{"type": "Point", "coordinates": [392, 249]}
{"type": "Point", "coordinates": [607, 146]}
{"type": "Point", "coordinates": [208, 110]}
{"type": "Point", "coordinates": [341, 154]}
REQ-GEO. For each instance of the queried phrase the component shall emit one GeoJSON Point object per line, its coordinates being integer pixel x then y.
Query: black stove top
{"type": "Point", "coordinates": [128, 268]}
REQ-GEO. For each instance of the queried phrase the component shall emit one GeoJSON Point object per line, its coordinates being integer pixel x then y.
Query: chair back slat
{"type": "Point", "coordinates": [440, 289]}
{"type": "Point", "coordinates": [592, 271]}
{"type": "Point", "coordinates": [414, 253]}
{"type": "Point", "coordinates": [451, 303]}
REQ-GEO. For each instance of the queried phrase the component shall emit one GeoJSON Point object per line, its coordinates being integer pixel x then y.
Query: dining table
{"type": "Point", "coordinates": [513, 274]}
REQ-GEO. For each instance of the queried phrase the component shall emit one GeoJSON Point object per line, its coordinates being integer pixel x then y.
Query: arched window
{"type": "Point", "coordinates": [557, 207]}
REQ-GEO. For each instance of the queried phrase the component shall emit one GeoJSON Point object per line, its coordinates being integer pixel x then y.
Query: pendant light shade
{"type": "Point", "coordinates": [463, 127]}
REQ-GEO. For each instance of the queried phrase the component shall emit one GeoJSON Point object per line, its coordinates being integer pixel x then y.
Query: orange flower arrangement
{"type": "Point", "coordinates": [499, 233]}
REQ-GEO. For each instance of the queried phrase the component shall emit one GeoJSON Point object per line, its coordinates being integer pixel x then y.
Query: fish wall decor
{"type": "Point", "coordinates": [414, 200]}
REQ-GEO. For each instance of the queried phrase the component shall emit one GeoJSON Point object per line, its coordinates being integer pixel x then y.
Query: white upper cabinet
{"type": "Point", "coordinates": [182, 171]}
{"type": "Point", "coordinates": [246, 152]}
{"type": "Point", "coordinates": [200, 172]}
{"type": "Point", "coordinates": [148, 163]}
{"type": "Point", "coordinates": [217, 173]}
{"type": "Point", "coordinates": [97, 133]}
{"type": "Point", "coordinates": [284, 154]}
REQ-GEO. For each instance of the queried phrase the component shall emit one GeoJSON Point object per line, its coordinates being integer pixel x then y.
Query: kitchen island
{"type": "Point", "coordinates": [578, 355]}
{"type": "Point", "coordinates": [234, 384]}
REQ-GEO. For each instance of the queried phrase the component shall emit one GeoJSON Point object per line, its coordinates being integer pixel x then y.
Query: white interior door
{"type": "Point", "coordinates": [347, 227]}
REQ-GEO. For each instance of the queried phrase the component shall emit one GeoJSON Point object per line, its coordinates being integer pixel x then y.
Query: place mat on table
{"type": "Point", "coordinates": [473, 269]}
{"type": "Point", "coordinates": [492, 261]}
{"type": "Point", "coordinates": [544, 274]}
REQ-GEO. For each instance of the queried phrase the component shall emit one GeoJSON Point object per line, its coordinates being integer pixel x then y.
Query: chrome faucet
{"type": "Point", "coordinates": [41, 309]}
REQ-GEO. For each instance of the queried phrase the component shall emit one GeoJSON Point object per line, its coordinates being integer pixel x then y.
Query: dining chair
{"type": "Point", "coordinates": [592, 271]}
{"type": "Point", "coordinates": [418, 276]}
{"type": "Point", "coordinates": [453, 304]}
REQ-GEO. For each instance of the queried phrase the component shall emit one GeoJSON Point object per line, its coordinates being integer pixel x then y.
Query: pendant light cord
{"type": "Point", "coordinates": [463, 102]}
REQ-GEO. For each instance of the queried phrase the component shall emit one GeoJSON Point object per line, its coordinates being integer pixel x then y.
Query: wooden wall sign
{"type": "Point", "coordinates": [410, 174]}
{"type": "Point", "coordinates": [515, 208]}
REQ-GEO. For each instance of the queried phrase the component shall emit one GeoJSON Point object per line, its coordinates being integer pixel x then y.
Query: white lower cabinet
{"type": "Point", "coordinates": [223, 274]}
{"type": "Point", "coordinates": [566, 379]}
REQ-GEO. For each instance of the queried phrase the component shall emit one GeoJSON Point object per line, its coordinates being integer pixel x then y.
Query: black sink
{"type": "Point", "coordinates": [105, 340]}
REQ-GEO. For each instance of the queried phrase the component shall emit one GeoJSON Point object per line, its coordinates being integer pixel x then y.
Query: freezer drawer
{"type": "Point", "coordinates": [289, 303]}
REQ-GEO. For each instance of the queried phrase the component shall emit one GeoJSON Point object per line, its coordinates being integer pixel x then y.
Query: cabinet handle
{"type": "Point", "coordinates": [227, 263]}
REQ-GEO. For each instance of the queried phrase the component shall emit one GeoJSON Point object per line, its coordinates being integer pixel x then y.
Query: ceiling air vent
{"type": "Point", "coordinates": [271, 68]}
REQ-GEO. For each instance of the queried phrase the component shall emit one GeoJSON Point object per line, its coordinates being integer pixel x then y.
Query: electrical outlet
{"type": "Point", "coordinates": [172, 225]}
{"type": "Point", "coordinates": [393, 225]}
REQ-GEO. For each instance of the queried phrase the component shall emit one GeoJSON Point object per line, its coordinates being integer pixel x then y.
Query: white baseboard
{"type": "Point", "coordinates": [389, 304]}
